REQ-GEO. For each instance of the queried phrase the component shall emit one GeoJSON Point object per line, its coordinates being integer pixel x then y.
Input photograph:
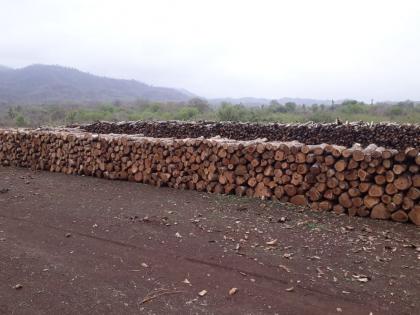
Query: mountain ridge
{"type": "Point", "coordinates": [54, 84]}
{"type": "Point", "coordinates": [36, 84]}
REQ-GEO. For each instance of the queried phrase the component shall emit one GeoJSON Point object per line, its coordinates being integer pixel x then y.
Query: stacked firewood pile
{"type": "Point", "coordinates": [388, 135]}
{"type": "Point", "coordinates": [364, 181]}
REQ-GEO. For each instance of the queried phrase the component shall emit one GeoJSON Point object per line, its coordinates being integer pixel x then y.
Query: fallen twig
{"type": "Point", "coordinates": [152, 297]}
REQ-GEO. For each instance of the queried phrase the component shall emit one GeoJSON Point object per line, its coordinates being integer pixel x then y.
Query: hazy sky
{"type": "Point", "coordinates": [299, 48]}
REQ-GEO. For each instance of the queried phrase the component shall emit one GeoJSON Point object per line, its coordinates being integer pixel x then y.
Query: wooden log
{"type": "Point", "coordinates": [413, 193]}
{"type": "Point", "coordinates": [375, 191]}
{"type": "Point", "coordinates": [345, 200]}
{"type": "Point", "coordinates": [279, 192]}
{"type": "Point", "coordinates": [357, 202]}
{"type": "Point", "coordinates": [414, 215]}
{"type": "Point", "coordinates": [340, 165]}
{"type": "Point", "coordinates": [380, 211]}
{"type": "Point", "coordinates": [416, 180]}
{"type": "Point", "coordinates": [325, 205]}
{"type": "Point", "coordinates": [398, 169]}
{"type": "Point", "coordinates": [338, 209]}
{"type": "Point", "coordinates": [370, 201]}
{"type": "Point", "coordinates": [299, 200]}
{"type": "Point", "coordinates": [386, 199]}
{"type": "Point", "coordinates": [403, 182]}
{"type": "Point", "coordinates": [362, 211]}
{"type": "Point", "coordinates": [399, 216]}
{"type": "Point", "coordinates": [290, 190]}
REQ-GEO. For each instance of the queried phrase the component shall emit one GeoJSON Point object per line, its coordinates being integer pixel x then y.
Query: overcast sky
{"type": "Point", "coordinates": [298, 48]}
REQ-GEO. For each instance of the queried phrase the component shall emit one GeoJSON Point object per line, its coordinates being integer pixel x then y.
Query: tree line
{"type": "Point", "coordinates": [200, 109]}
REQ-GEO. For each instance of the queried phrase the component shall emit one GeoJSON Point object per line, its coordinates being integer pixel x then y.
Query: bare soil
{"type": "Point", "coordinates": [82, 245]}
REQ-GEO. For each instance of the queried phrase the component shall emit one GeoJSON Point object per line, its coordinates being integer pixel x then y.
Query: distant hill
{"type": "Point", "coordinates": [40, 84]}
{"type": "Point", "coordinates": [4, 69]}
{"type": "Point", "coordinates": [254, 101]}
{"type": "Point", "coordinates": [48, 84]}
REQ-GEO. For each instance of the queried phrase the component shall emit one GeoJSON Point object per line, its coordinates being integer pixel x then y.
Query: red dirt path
{"type": "Point", "coordinates": [82, 245]}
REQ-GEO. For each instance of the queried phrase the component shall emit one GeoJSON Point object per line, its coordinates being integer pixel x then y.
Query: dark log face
{"type": "Point", "coordinates": [368, 181]}
{"type": "Point", "coordinates": [387, 135]}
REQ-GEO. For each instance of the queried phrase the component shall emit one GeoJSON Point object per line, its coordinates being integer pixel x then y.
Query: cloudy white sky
{"type": "Point", "coordinates": [298, 48]}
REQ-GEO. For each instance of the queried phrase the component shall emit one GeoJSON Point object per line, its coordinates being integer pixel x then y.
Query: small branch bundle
{"type": "Point", "coordinates": [364, 181]}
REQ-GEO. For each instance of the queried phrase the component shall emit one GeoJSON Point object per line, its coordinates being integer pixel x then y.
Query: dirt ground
{"type": "Point", "coordinates": [82, 245]}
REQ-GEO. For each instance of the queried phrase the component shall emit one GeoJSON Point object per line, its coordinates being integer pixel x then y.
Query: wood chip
{"type": "Point", "coordinates": [272, 242]}
{"type": "Point", "coordinates": [202, 293]}
{"type": "Point", "coordinates": [361, 278]}
{"type": "Point", "coordinates": [233, 291]}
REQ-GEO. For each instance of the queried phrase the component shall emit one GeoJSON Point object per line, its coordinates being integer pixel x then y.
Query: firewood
{"type": "Point", "coordinates": [375, 191]}
{"type": "Point", "coordinates": [370, 201]}
{"type": "Point", "coordinates": [416, 180]}
{"type": "Point", "coordinates": [399, 168]}
{"type": "Point", "coordinates": [397, 199]}
{"type": "Point", "coordinates": [340, 165]}
{"type": "Point", "coordinates": [325, 205]}
{"type": "Point", "coordinates": [380, 212]}
{"type": "Point", "coordinates": [338, 209]}
{"type": "Point", "coordinates": [399, 216]}
{"type": "Point", "coordinates": [299, 200]}
{"type": "Point", "coordinates": [290, 190]}
{"type": "Point", "coordinates": [414, 215]}
{"type": "Point", "coordinates": [380, 179]}
{"type": "Point", "coordinates": [357, 202]}
{"type": "Point", "coordinates": [386, 199]}
{"type": "Point", "coordinates": [413, 193]}
{"type": "Point", "coordinates": [355, 179]}
{"type": "Point", "coordinates": [362, 211]}
{"type": "Point", "coordinates": [403, 182]}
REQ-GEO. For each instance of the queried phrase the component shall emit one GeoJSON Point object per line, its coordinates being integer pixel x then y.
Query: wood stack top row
{"type": "Point", "coordinates": [389, 135]}
{"type": "Point", "coordinates": [368, 181]}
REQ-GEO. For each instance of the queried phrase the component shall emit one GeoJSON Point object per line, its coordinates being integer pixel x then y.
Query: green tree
{"type": "Point", "coordinates": [276, 107]}
{"type": "Point", "coordinates": [353, 107]}
{"type": "Point", "coordinates": [229, 112]}
{"type": "Point", "coordinates": [395, 111]}
{"type": "Point", "coordinates": [187, 113]}
{"type": "Point", "coordinates": [11, 113]}
{"type": "Point", "coordinates": [71, 117]}
{"type": "Point", "coordinates": [290, 107]}
{"type": "Point", "coordinates": [201, 104]}
{"type": "Point", "coordinates": [20, 120]}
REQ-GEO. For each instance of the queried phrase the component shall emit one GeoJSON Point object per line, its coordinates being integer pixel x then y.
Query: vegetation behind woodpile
{"type": "Point", "coordinates": [199, 109]}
